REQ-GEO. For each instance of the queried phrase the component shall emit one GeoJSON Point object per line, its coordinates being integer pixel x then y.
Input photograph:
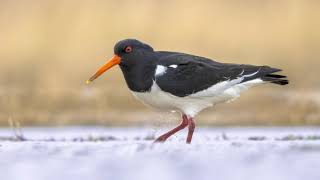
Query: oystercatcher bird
{"type": "Point", "coordinates": [174, 81]}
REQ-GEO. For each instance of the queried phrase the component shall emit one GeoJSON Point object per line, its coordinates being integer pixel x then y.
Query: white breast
{"type": "Point", "coordinates": [161, 100]}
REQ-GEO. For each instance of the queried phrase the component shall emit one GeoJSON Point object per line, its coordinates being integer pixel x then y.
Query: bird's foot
{"type": "Point", "coordinates": [161, 139]}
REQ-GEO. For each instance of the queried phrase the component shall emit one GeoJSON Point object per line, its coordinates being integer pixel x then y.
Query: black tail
{"type": "Point", "coordinates": [276, 79]}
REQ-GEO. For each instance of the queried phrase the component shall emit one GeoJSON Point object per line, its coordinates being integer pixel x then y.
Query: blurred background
{"type": "Point", "coordinates": [48, 49]}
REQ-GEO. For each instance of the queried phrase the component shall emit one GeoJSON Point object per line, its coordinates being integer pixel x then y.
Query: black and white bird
{"type": "Point", "coordinates": [174, 81]}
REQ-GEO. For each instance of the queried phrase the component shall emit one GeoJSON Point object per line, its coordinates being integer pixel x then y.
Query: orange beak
{"type": "Point", "coordinates": [112, 62]}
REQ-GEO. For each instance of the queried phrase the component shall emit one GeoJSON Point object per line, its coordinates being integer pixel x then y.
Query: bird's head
{"type": "Point", "coordinates": [126, 52]}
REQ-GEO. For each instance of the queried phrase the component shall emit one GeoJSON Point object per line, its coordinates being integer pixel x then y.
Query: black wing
{"type": "Point", "coordinates": [188, 74]}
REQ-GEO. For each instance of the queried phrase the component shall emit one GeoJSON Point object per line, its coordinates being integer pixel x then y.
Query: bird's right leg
{"type": "Point", "coordinates": [183, 124]}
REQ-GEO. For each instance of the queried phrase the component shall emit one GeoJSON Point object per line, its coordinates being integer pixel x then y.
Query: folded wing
{"type": "Point", "coordinates": [187, 74]}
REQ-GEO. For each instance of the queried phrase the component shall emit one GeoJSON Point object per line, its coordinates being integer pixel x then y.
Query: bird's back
{"type": "Point", "coordinates": [188, 74]}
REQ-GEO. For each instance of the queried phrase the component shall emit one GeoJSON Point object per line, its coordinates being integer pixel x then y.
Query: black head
{"type": "Point", "coordinates": [127, 53]}
{"type": "Point", "coordinates": [130, 46]}
{"type": "Point", "coordinates": [132, 52]}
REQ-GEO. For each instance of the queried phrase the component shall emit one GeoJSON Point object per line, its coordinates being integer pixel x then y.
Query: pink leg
{"type": "Point", "coordinates": [191, 125]}
{"type": "Point", "coordinates": [183, 124]}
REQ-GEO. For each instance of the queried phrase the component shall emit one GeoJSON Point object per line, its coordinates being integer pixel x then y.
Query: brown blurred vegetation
{"type": "Point", "coordinates": [49, 48]}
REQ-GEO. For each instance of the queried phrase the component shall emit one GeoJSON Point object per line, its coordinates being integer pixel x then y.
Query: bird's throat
{"type": "Point", "coordinates": [139, 78]}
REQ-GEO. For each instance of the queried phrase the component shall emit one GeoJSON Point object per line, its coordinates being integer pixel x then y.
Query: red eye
{"type": "Point", "coordinates": [128, 49]}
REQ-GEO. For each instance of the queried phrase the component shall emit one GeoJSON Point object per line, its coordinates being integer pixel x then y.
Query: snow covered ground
{"type": "Point", "coordinates": [128, 153]}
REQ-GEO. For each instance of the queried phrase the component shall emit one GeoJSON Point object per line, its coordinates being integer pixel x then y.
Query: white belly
{"type": "Point", "coordinates": [192, 104]}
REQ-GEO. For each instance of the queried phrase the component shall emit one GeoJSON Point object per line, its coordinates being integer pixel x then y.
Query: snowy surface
{"type": "Point", "coordinates": [128, 153]}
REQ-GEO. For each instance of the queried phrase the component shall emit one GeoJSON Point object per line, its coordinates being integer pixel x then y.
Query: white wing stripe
{"type": "Point", "coordinates": [252, 74]}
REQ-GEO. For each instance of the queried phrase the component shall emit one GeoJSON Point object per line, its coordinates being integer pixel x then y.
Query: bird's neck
{"type": "Point", "coordinates": [139, 78]}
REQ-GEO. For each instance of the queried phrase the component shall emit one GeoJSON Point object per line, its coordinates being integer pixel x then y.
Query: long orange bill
{"type": "Point", "coordinates": [112, 62]}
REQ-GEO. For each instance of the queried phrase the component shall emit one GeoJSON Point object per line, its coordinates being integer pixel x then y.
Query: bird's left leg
{"type": "Point", "coordinates": [182, 125]}
{"type": "Point", "coordinates": [191, 127]}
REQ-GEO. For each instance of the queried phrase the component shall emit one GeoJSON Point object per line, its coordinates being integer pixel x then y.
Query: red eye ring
{"type": "Point", "coordinates": [128, 49]}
